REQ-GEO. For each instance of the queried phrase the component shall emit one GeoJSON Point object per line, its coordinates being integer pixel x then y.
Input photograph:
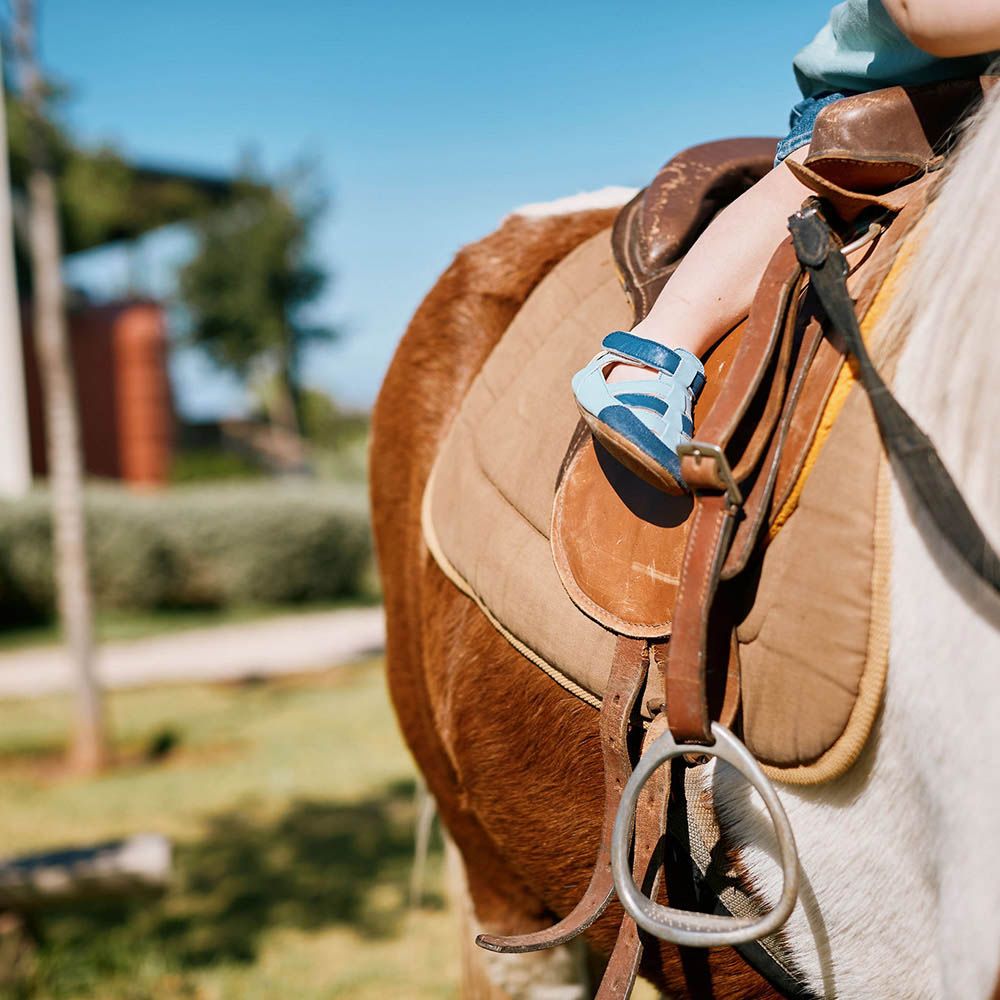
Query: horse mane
{"type": "Point", "coordinates": [943, 322]}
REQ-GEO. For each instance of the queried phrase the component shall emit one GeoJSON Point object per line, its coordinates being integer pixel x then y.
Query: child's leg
{"type": "Point", "coordinates": [711, 290]}
{"type": "Point", "coordinates": [643, 422]}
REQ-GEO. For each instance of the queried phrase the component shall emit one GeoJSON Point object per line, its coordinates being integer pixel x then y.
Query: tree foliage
{"type": "Point", "coordinates": [249, 286]}
{"type": "Point", "coordinates": [251, 281]}
{"type": "Point", "coordinates": [102, 196]}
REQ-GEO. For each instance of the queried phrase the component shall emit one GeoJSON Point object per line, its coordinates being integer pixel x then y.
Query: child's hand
{"type": "Point", "coordinates": [948, 28]}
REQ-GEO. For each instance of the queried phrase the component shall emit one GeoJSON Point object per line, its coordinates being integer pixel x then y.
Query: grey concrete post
{"type": "Point", "coordinates": [15, 457]}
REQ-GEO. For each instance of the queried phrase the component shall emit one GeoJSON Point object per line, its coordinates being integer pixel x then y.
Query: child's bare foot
{"type": "Point", "coordinates": [629, 373]}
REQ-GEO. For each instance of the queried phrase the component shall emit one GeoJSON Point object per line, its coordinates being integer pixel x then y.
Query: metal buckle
{"type": "Point", "coordinates": [875, 230]}
{"type": "Point", "coordinates": [702, 449]}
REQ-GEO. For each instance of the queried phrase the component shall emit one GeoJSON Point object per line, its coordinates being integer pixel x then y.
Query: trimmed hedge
{"type": "Point", "coordinates": [218, 546]}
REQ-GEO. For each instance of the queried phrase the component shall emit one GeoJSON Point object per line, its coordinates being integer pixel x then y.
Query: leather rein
{"type": "Point", "coordinates": [911, 451]}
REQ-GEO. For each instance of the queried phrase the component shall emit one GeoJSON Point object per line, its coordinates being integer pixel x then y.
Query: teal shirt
{"type": "Point", "coordinates": [860, 48]}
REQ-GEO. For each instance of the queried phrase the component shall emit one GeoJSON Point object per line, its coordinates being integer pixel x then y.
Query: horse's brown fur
{"type": "Point", "coordinates": [513, 760]}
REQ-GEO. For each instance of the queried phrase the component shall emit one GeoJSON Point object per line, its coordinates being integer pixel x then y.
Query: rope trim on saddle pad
{"type": "Point", "coordinates": [444, 564]}
{"type": "Point", "coordinates": [846, 750]}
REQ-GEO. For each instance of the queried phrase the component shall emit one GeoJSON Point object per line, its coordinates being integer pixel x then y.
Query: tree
{"type": "Point", "coordinates": [249, 285]}
{"type": "Point", "coordinates": [89, 745]}
{"type": "Point", "coordinates": [102, 197]}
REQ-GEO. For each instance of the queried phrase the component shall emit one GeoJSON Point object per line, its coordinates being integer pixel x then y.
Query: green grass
{"type": "Point", "coordinates": [291, 807]}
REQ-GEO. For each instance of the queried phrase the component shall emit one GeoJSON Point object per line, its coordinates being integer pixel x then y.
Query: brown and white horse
{"type": "Point", "coordinates": [900, 886]}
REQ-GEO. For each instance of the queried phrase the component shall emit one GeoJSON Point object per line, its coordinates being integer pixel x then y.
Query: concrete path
{"type": "Point", "coordinates": [289, 644]}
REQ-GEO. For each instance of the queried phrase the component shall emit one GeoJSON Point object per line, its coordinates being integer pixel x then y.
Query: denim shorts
{"type": "Point", "coordinates": [802, 121]}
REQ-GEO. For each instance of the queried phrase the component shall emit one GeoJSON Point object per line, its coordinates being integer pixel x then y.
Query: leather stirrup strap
{"type": "Point", "coordinates": [751, 408]}
{"type": "Point", "coordinates": [647, 869]}
{"type": "Point", "coordinates": [759, 374]}
{"type": "Point", "coordinates": [912, 453]}
{"type": "Point", "coordinates": [685, 679]}
{"type": "Point", "coordinates": [629, 667]}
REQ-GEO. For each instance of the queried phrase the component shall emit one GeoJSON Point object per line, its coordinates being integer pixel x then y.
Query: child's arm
{"type": "Point", "coordinates": [947, 28]}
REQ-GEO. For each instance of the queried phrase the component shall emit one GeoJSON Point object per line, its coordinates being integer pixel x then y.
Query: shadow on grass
{"type": "Point", "coordinates": [318, 864]}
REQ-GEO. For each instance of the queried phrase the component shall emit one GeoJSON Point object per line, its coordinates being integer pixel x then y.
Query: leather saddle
{"type": "Point", "coordinates": [872, 157]}
{"type": "Point", "coordinates": [671, 577]}
{"type": "Point", "coordinates": [618, 543]}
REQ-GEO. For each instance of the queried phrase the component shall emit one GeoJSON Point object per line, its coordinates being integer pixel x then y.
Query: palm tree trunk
{"type": "Point", "coordinates": [88, 750]}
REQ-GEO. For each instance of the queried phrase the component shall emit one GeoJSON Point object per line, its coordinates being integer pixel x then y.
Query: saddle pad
{"type": "Point", "coordinates": [488, 502]}
{"type": "Point", "coordinates": [813, 646]}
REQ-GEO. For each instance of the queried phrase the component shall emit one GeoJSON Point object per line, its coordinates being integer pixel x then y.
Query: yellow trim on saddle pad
{"type": "Point", "coordinates": [846, 380]}
{"type": "Point", "coordinates": [844, 751]}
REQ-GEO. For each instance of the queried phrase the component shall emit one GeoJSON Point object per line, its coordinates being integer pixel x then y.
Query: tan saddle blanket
{"type": "Point", "coordinates": [814, 641]}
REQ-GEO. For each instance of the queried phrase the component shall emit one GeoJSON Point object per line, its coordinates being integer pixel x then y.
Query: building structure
{"type": "Point", "coordinates": [119, 355]}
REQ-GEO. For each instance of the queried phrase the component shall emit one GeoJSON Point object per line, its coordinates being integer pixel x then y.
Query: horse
{"type": "Point", "coordinates": [899, 887]}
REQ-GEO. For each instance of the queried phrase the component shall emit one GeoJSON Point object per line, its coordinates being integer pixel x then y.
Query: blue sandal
{"type": "Point", "coordinates": [642, 422]}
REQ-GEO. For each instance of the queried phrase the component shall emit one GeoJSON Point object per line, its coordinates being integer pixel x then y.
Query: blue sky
{"type": "Point", "coordinates": [430, 121]}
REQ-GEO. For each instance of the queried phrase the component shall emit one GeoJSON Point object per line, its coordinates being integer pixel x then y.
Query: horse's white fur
{"type": "Point", "coordinates": [556, 974]}
{"type": "Point", "coordinates": [901, 885]}
{"type": "Point", "coordinates": [605, 197]}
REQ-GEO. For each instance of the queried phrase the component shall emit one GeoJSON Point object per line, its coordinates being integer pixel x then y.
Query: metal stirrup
{"type": "Point", "coordinates": [683, 927]}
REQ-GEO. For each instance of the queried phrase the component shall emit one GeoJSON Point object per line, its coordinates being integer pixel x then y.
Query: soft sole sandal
{"type": "Point", "coordinates": [641, 422]}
